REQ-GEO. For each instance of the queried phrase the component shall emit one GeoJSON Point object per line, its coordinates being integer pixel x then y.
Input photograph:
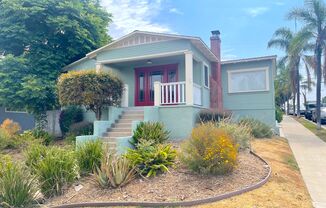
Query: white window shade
{"type": "Point", "coordinates": [249, 80]}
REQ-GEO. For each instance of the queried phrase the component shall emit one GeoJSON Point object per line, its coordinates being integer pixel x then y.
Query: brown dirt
{"type": "Point", "coordinates": [285, 187]}
{"type": "Point", "coordinates": [177, 185]}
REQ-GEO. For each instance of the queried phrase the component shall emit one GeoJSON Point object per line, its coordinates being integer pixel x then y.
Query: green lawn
{"type": "Point", "coordinates": [312, 127]}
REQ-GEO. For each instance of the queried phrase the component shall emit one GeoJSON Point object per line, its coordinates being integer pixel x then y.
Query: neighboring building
{"type": "Point", "coordinates": [170, 78]}
{"type": "Point", "coordinates": [25, 120]}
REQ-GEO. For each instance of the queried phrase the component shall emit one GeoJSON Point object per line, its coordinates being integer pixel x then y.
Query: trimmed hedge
{"type": "Point", "coordinates": [91, 89]}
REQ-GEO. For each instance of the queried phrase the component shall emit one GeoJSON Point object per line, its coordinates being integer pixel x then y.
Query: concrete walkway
{"type": "Point", "coordinates": [310, 153]}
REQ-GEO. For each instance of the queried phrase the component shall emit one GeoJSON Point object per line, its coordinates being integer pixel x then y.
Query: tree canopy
{"type": "Point", "coordinates": [91, 89]}
{"type": "Point", "coordinates": [38, 38]}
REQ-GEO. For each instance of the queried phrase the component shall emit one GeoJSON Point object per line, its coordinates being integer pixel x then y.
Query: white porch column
{"type": "Point", "coordinates": [125, 96]}
{"type": "Point", "coordinates": [189, 77]}
{"type": "Point", "coordinates": [99, 67]}
{"type": "Point", "coordinates": [157, 93]}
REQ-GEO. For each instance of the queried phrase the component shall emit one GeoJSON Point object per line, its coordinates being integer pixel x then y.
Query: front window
{"type": "Point", "coordinates": [15, 110]}
{"type": "Point", "coordinates": [206, 76]}
{"type": "Point", "coordinates": [251, 80]}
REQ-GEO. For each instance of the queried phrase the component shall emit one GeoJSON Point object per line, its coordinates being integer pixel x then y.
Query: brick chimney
{"type": "Point", "coordinates": [216, 87]}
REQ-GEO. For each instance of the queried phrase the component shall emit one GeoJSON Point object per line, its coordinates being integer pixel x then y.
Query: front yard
{"type": "Point", "coordinates": [214, 160]}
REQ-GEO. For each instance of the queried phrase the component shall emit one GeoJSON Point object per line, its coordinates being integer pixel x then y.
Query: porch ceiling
{"type": "Point", "coordinates": [155, 61]}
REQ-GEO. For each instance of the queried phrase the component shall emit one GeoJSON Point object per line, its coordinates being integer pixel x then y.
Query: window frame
{"type": "Point", "coordinates": [15, 111]}
{"type": "Point", "coordinates": [265, 69]}
{"type": "Point", "coordinates": [208, 75]}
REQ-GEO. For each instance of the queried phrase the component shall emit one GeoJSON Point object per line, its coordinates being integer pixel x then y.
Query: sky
{"type": "Point", "coordinates": [246, 26]}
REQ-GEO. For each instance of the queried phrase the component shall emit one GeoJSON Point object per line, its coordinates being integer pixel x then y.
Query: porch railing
{"type": "Point", "coordinates": [172, 93]}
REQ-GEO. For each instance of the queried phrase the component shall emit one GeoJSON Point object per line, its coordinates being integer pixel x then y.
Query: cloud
{"type": "Point", "coordinates": [255, 11]}
{"type": "Point", "coordinates": [176, 11]}
{"type": "Point", "coordinates": [130, 15]}
{"type": "Point", "coordinates": [279, 3]}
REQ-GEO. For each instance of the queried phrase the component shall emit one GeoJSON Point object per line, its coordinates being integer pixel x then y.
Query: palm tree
{"type": "Point", "coordinates": [313, 15]}
{"type": "Point", "coordinates": [305, 88]}
{"type": "Point", "coordinates": [282, 88]}
{"type": "Point", "coordinates": [294, 45]}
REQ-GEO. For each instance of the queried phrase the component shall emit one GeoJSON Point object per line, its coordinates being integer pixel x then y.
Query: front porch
{"type": "Point", "coordinates": [168, 79]}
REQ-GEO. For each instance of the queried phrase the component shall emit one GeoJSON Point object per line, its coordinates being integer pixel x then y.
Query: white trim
{"type": "Point", "coordinates": [230, 72]}
{"type": "Point", "coordinates": [191, 38]}
{"type": "Point", "coordinates": [263, 58]}
{"type": "Point", "coordinates": [208, 73]}
{"type": "Point", "coordinates": [9, 111]}
{"type": "Point", "coordinates": [189, 77]}
{"type": "Point", "coordinates": [150, 56]}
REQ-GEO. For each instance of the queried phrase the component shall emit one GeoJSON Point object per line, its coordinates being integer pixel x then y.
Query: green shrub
{"type": "Point", "coordinates": [151, 159]}
{"type": "Point", "coordinates": [150, 131]}
{"type": "Point", "coordinates": [56, 170]}
{"type": "Point", "coordinates": [81, 128]}
{"type": "Point", "coordinates": [258, 128]}
{"type": "Point", "coordinates": [91, 89]}
{"type": "Point", "coordinates": [278, 114]}
{"type": "Point", "coordinates": [17, 187]}
{"type": "Point", "coordinates": [212, 115]}
{"type": "Point", "coordinates": [240, 133]}
{"type": "Point", "coordinates": [34, 154]}
{"type": "Point", "coordinates": [69, 116]}
{"type": "Point", "coordinates": [70, 139]}
{"type": "Point", "coordinates": [89, 156]}
{"type": "Point", "coordinates": [115, 171]}
{"type": "Point", "coordinates": [43, 136]}
{"type": "Point", "coordinates": [209, 150]}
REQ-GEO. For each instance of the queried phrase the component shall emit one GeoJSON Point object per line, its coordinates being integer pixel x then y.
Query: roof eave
{"type": "Point", "coordinates": [263, 58]}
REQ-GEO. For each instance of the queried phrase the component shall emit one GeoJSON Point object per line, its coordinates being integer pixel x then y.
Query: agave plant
{"type": "Point", "coordinates": [116, 171]}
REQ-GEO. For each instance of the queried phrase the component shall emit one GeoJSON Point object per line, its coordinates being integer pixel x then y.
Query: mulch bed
{"type": "Point", "coordinates": [177, 185]}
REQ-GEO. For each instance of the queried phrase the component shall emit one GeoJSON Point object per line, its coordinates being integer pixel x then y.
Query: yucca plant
{"type": "Point", "coordinates": [151, 159]}
{"type": "Point", "coordinates": [150, 131]}
{"type": "Point", "coordinates": [116, 171]}
{"type": "Point", "coordinates": [89, 156]}
{"type": "Point", "coordinates": [17, 187]}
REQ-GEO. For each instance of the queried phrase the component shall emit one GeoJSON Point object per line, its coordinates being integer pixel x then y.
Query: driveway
{"type": "Point", "coordinates": [310, 153]}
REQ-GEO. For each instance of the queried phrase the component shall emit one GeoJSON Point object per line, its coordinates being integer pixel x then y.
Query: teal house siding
{"type": "Point", "coordinates": [25, 120]}
{"type": "Point", "coordinates": [83, 65]}
{"type": "Point", "coordinates": [259, 105]}
{"type": "Point", "coordinates": [145, 49]}
{"type": "Point", "coordinates": [179, 120]}
{"type": "Point", "coordinates": [126, 69]}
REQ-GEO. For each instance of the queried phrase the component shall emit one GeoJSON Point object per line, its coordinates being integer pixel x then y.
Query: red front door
{"type": "Point", "coordinates": [145, 78]}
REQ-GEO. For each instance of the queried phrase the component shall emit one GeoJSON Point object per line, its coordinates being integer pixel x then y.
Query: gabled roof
{"type": "Point", "coordinates": [142, 37]}
{"type": "Point", "coordinates": [262, 58]}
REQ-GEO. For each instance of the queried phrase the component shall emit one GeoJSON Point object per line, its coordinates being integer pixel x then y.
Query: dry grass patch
{"type": "Point", "coordinates": [285, 187]}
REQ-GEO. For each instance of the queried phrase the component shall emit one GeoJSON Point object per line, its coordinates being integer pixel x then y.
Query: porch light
{"type": "Point", "coordinates": [149, 61]}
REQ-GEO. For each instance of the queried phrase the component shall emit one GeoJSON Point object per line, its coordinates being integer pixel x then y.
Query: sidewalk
{"type": "Point", "coordinates": [310, 153]}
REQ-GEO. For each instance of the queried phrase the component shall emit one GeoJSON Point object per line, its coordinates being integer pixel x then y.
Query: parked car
{"type": "Point", "coordinates": [322, 114]}
{"type": "Point", "coordinates": [310, 106]}
{"type": "Point", "coordinates": [291, 111]}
